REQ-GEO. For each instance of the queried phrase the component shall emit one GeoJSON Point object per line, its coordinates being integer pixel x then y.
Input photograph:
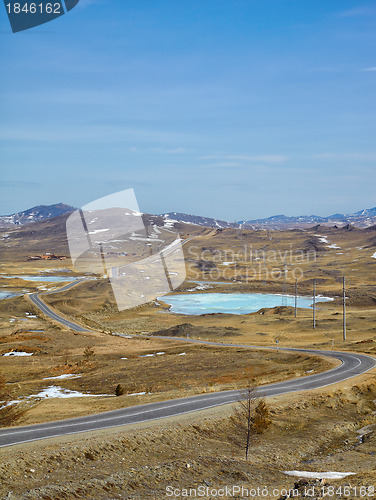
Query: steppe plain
{"type": "Point", "coordinates": [313, 431]}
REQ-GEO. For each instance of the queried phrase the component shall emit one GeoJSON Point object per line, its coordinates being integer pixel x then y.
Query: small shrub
{"type": "Point", "coordinates": [89, 455]}
{"type": "Point", "coordinates": [119, 391]}
{"type": "Point", "coordinates": [261, 420]}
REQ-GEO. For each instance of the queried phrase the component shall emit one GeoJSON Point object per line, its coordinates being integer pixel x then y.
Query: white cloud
{"type": "Point", "coordinates": [224, 164]}
{"type": "Point", "coordinates": [372, 68]}
{"type": "Point", "coordinates": [90, 133]}
{"type": "Point", "coordinates": [358, 11]}
{"type": "Point", "coordinates": [169, 151]}
{"type": "Point", "coordinates": [256, 158]}
{"type": "Point", "coordinates": [345, 156]}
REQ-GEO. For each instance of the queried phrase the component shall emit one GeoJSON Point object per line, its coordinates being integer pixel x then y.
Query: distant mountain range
{"type": "Point", "coordinates": [35, 214]}
{"type": "Point", "coordinates": [361, 219]}
{"type": "Point", "coordinates": [198, 220]}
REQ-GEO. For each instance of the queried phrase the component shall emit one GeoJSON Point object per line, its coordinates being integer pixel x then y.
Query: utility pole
{"type": "Point", "coordinates": [314, 304]}
{"type": "Point", "coordinates": [296, 296]}
{"type": "Point", "coordinates": [284, 291]}
{"type": "Point", "coordinates": [103, 262]}
{"type": "Point", "coordinates": [344, 308]}
{"type": "Point", "coordinates": [264, 267]}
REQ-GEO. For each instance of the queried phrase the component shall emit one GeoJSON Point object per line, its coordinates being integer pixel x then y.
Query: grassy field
{"type": "Point", "coordinates": [315, 431]}
{"type": "Point", "coordinates": [324, 255]}
{"type": "Point", "coordinates": [147, 368]}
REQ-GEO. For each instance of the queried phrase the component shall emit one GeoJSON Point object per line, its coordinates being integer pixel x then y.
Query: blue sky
{"type": "Point", "coordinates": [235, 109]}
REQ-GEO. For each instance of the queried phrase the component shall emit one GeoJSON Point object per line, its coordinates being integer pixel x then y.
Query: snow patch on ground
{"type": "Point", "coordinates": [59, 392]}
{"type": "Point", "coordinates": [150, 355]}
{"type": "Point", "coordinates": [322, 239]}
{"type": "Point", "coordinates": [327, 299]}
{"type": "Point", "coordinates": [95, 231]}
{"type": "Point", "coordinates": [16, 353]}
{"type": "Point", "coordinates": [169, 223]}
{"type": "Point", "coordinates": [318, 475]}
{"type": "Point", "coordinates": [373, 255]}
{"type": "Point", "coordinates": [140, 238]}
{"type": "Point", "coordinates": [63, 377]}
{"type": "Point", "coordinates": [199, 287]}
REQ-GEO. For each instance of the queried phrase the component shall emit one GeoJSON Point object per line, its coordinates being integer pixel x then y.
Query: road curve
{"type": "Point", "coordinates": [34, 297]}
{"type": "Point", "coordinates": [351, 365]}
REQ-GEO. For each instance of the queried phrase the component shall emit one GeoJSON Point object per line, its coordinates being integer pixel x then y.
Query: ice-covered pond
{"type": "Point", "coordinates": [44, 277]}
{"type": "Point", "coordinates": [4, 295]}
{"type": "Point", "coordinates": [232, 303]}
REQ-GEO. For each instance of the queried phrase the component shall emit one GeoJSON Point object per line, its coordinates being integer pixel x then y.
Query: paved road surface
{"type": "Point", "coordinates": [34, 297]}
{"type": "Point", "coordinates": [352, 365]}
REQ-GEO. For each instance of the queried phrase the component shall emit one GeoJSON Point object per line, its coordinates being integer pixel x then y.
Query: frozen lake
{"type": "Point", "coordinates": [232, 303]}
{"type": "Point", "coordinates": [4, 295]}
{"type": "Point", "coordinates": [44, 277]}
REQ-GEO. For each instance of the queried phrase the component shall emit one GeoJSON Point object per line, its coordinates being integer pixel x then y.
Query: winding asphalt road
{"type": "Point", "coordinates": [351, 366]}
{"type": "Point", "coordinates": [34, 297]}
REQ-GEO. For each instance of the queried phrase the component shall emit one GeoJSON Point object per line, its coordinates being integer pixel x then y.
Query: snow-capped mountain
{"type": "Point", "coordinates": [34, 214]}
{"type": "Point", "coordinates": [362, 219]}
{"type": "Point", "coordinates": [197, 220]}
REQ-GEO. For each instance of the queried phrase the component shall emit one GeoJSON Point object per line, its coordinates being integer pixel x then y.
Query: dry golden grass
{"type": "Point", "coordinates": [314, 431]}
{"type": "Point", "coordinates": [169, 375]}
{"type": "Point", "coordinates": [58, 351]}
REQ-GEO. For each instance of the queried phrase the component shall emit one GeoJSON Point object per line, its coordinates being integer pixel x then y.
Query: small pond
{"type": "Point", "coordinates": [232, 303]}
{"type": "Point", "coordinates": [46, 278]}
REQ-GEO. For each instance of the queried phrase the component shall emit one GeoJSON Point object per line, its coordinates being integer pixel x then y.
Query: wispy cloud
{"type": "Point", "coordinates": [251, 158]}
{"type": "Point", "coordinates": [372, 68]}
{"type": "Point", "coordinates": [91, 134]}
{"type": "Point", "coordinates": [169, 151]}
{"type": "Point", "coordinates": [165, 151]}
{"type": "Point", "coordinates": [15, 184]}
{"type": "Point", "coordinates": [223, 164]}
{"type": "Point", "coordinates": [345, 156]}
{"type": "Point", "coordinates": [361, 11]}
